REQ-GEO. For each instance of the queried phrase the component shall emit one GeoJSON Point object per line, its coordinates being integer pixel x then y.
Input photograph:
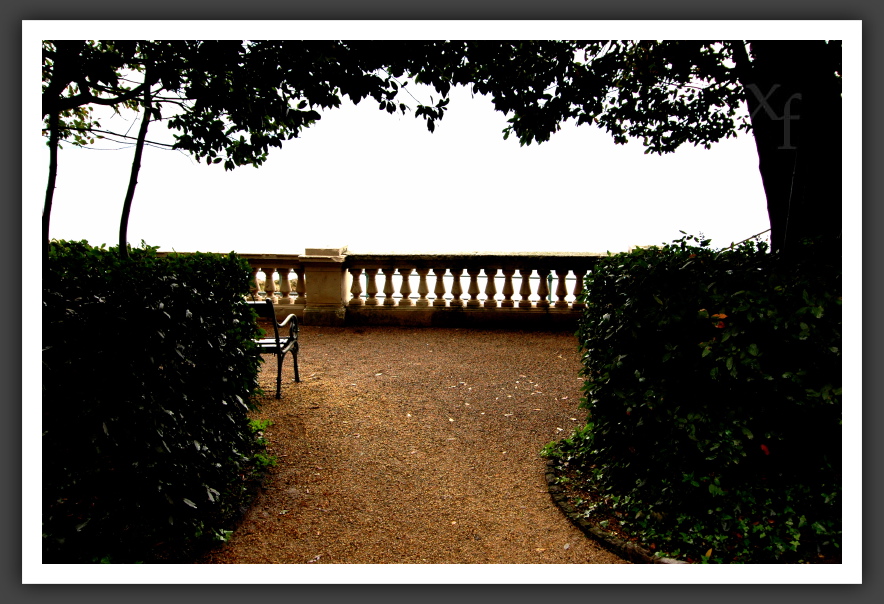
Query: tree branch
{"type": "Point", "coordinates": [85, 98]}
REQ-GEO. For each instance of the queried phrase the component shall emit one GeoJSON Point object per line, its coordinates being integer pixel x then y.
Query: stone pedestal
{"type": "Point", "coordinates": [327, 285]}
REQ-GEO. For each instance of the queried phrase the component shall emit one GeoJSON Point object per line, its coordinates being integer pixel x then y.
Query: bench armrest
{"type": "Point", "coordinates": [292, 322]}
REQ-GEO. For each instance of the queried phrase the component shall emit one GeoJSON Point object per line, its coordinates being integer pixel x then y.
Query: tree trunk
{"type": "Point", "coordinates": [50, 185]}
{"type": "Point", "coordinates": [794, 102]}
{"type": "Point", "coordinates": [133, 177]}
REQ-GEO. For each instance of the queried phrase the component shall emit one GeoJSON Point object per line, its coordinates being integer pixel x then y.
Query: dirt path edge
{"type": "Point", "coordinates": [626, 550]}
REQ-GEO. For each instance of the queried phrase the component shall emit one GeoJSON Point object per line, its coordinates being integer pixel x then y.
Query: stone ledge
{"type": "Point", "coordinates": [626, 550]}
{"type": "Point", "coordinates": [329, 316]}
{"type": "Point", "coordinates": [448, 316]}
{"type": "Point", "coordinates": [481, 260]}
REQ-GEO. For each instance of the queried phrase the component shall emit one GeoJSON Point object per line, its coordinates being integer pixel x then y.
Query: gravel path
{"type": "Point", "coordinates": [419, 446]}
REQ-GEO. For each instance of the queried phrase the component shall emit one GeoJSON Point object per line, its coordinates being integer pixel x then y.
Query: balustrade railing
{"type": "Point", "coordinates": [333, 287]}
{"type": "Point", "coordinates": [285, 269]}
{"type": "Point", "coordinates": [491, 280]}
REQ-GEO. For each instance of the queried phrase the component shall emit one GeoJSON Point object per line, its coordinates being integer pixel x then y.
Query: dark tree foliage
{"type": "Point", "coordinates": [668, 93]}
{"type": "Point", "coordinates": [235, 100]}
{"type": "Point", "coordinates": [246, 99]}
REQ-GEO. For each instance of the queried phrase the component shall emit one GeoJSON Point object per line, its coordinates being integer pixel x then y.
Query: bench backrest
{"type": "Point", "coordinates": [264, 310]}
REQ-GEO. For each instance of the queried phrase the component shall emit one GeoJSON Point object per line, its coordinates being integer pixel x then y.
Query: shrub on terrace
{"type": "Point", "coordinates": [713, 391]}
{"type": "Point", "coordinates": [147, 379]}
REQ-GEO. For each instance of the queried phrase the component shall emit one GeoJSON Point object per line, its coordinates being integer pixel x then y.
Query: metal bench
{"type": "Point", "coordinates": [278, 345]}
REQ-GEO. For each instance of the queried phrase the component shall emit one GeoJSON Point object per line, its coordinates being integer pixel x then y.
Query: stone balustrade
{"type": "Point", "coordinates": [465, 289]}
{"type": "Point", "coordinates": [328, 286]}
{"type": "Point", "coordinates": [284, 268]}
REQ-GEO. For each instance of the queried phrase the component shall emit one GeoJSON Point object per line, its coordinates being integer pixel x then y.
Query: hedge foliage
{"type": "Point", "coordinates": [713, 391]}
{"type": "Point", "coordinates": [148, 373]}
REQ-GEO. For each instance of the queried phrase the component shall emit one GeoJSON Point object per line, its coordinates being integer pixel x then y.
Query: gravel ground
{"type": "Point", "coordinates": [419, 446]}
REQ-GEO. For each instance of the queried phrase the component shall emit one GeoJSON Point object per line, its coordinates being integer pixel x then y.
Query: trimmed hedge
{"type": "Point", "coordinates": [713, 383]}
{"type": "Point", "coordinates": [148, 372]}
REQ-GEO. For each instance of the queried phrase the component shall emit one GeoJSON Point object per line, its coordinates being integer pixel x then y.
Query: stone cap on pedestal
{"type": "Point", "coordinates": [324, 254]}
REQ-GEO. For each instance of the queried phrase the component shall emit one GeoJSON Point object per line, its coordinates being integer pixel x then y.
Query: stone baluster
{"type": "Point", "coordinates": [508, 291]}
{"type": "Point", "coordinates": [285, 286]}
{"type": "Point", "coordinates": [300, 286]}
{"type": "Point", "coordinates": [473, 289]}
{"type": "Point", "coordinates": [405, 288]}
{"type": "Point", "coordinates": [372, 287]}
{"type": "Point", "coordinates": [561, 289]}
{"type": "Point", "coordinates": [388, 286]}
{"type": "Point", "coordinates": [543, 288]}
{"type": "Point", "coordinates": [439, 290]}
{"type": "Point", "coordinates": [269, 285]}
{"type": "Point", "coordinates": [580, 275]}
{"type": "Point", "coordinates": [254, 283]}
{"type": "Point", "coordinates": [490, 288]}
{"type": "Point", "coordinates": [456, 290]}
{"type": "Point", "coordinates": [422, 288]}
{"type": "Point", "coordinates": [356, 287]}
{"type": "Point", "coordinates": [525, 290]}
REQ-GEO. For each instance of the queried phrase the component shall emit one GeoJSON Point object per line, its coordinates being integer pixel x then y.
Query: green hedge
{"type": "Point", "coordinates": [713, 383]}
{"type": "Point", "coordinates": [148, 372]}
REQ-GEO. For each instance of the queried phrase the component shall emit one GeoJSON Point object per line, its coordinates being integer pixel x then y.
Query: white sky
{"type": "Point", "coordinates": [377, 182]}
{"type": "Point", "coordinates": [380, 182]}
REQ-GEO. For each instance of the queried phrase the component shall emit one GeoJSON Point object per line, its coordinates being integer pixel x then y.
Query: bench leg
{"type": "Point", "coordinates": [279, 360]}
{"type": "Point", "coordinates": [295, 358]}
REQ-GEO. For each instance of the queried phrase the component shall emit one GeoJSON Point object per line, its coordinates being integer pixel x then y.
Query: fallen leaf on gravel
{"type": "Point", "coordinates": [408, 415]}
{"type": "Point", "coordinates": [507, 414]}
{"type": "Point", "coordinates": [314, 559]}
{"type": "Point", "coordinates": [540, 549]}
{"type": "Point", "coordinates": [558, 429]}
{"type": "Point", "coordinates": [567, 546]}
{"type": "Point", "coordinates": [451, 420]}
{"type": "Point", "coordinates": [284, 512]}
